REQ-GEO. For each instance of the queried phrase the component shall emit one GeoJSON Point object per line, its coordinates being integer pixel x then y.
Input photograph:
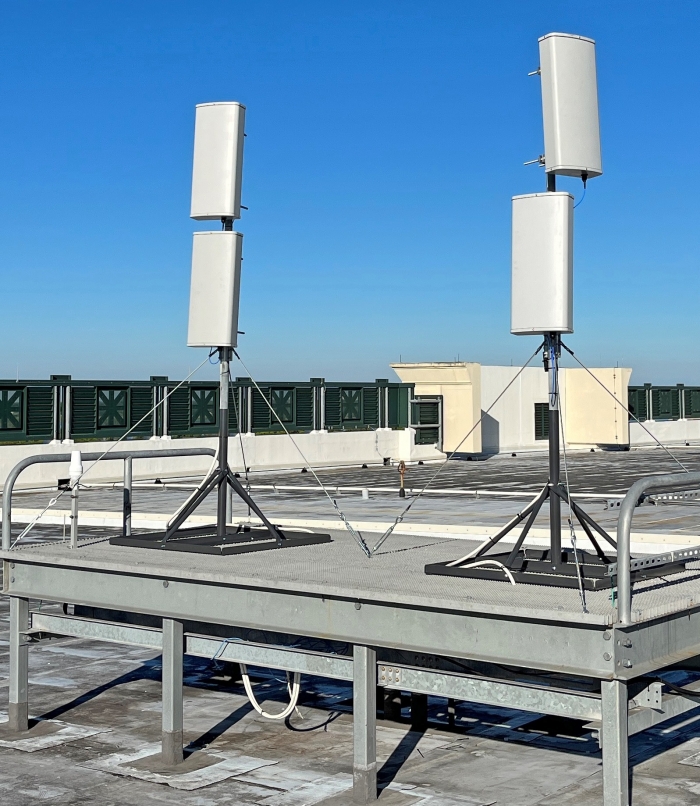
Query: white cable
{"type": "Point", "coordinates": [293, 690]}
{"type": "Point", "coordinates": [492, 562]}
{"type": "Point", "coordinates": [475, 552]}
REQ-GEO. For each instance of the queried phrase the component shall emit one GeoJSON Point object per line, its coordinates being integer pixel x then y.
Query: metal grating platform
{"type": "Point", "coordinates": [394, 576]}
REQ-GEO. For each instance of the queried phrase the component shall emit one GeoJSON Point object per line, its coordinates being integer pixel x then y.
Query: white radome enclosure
{"type": "Point", "coordinates": [218, 161]}
{"type": "Point", "coordinates": [216, 195]}
{"type": "Point", "coordinates": [542, 264]}
{"type": "Point", "coordinates": [215, 289]}
{"type": "Point", "coordinates": [570, 105]}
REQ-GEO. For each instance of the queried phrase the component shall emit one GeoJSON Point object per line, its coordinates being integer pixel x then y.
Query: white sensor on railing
{"type": "Point", "coordinates": [75, 469]}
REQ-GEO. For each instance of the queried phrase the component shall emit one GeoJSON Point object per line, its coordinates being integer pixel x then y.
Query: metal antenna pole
{"type": "Point", "coordinates": [553, 350]}
{"type": "Point", "coordinates": [224, 359]}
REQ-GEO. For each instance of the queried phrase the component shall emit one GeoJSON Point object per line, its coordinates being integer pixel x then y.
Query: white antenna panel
{"type": "Point", "coordinates": [570, 105]}
{"type": "Point", "coordinates": [215, 289]}
{"type": "Point", "coordinates": [542, 298]}
{"type": "Point", "coordinates": [218, 161]}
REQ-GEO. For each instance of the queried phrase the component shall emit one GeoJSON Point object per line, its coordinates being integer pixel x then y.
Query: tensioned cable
{"type": "Point", "coordinates": [356, 535]}
{"type": "Point", "coordinates": [111, 448]}
{"type": "Point", "coordinates": [239, 421]}
{"type": "Point", "coordinates": [612, 395]}
{"type": "Point", "coordinates": [400, 518]}
{"type": "Point", "coordinates": [240, 437]}
{"type": "Point", "coordinates": [572, 529]}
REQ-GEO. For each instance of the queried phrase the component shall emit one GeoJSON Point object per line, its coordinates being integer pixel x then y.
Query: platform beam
{"type": "Point", "coordinates": [173, 646]}
{"type": "Point", "coordinates": [615, 743]}
{"type": "Point", "coordinates": [364, 701]}
{"type": "Point", "coordinates": [18, 710]}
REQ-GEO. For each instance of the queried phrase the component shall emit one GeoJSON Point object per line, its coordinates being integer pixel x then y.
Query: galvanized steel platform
{"type": "Point", "coordinates": [334, 592]}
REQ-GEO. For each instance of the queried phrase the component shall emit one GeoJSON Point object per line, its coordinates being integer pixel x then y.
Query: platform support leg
{"type": "Point", "coordinates": [391, 704]}
{"type": "Point", "coordinates": [18, 710]}
{"type": "Point", "coordinates": [173, 646]}
{"type": "Point", "coordinates": [364, 706]}
{"type": "Point", "coordinates": [419, 711]}
{"type": "Point", "coordinates": [615, 740]}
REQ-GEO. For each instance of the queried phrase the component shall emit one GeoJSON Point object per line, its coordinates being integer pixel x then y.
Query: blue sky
{"type": "Point", "coordinates": [385, 140]}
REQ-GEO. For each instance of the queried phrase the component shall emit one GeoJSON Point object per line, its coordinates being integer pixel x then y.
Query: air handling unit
{"type": "Point", "coordinates": [213, 324]}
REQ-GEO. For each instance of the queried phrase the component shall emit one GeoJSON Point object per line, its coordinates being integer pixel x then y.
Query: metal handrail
{"type": "Point", "coordinates": [659, 482]}
{"type": "Point", "coordinates": [88, 457]}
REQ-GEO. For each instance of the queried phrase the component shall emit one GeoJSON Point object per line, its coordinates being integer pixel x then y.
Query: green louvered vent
{"type": "Point", "coordinates": [370, 406]}
{"type": "Point", "coordinates": [637, 402]}
{"type": "Point", "coordinates": [261, 411]}
{"type": "Point", "coordinates": [111, 408]}
{"type": "Point", "coordinates": [203, 406]}
{"type": "Point", "coordinates": [541, 421]}
{"type": "Point", "coordinates": [665, 403]}
{"type": "Point", "coordinates": [141, 404]}
{"type": "Point", "coordinates": [351, 406]}
{"type": "Point", "coordinates": [305, 408]}
{"type": "Point", "coordinates": [426, 414]}
{"type": "Point", "coordinates": [179, 411]}
{"type": "Point", "coordinates": [332, 412]}
{"type": "Point", "coordinates": [40, 411]}
{"type": "Point", "coordinates": [84, 409]}
{"type": "Point", "coordinates": [11, 409]}
{"type": "Point", "coordinates": [282, 401]}
{"type": "Point", "coordinates": [398, 407]}
{"type": "Point", "coordinates": [692, 402]}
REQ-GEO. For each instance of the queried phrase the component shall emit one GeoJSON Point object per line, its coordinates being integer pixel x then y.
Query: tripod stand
{"type": "Point", "coordinates": [564, 567]}
{"type": "Point", "coordinates": [220, 538]}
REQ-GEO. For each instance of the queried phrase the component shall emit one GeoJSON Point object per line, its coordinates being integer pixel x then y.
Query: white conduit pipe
{"type": "Point", "coordinates": [492, 562]}
{"type": "Point", "coordinates": [293, 689]}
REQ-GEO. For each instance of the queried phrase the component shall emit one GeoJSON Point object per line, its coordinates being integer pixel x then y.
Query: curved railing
{"type": "Point", "coordinates": [659, 483]}
{"type": "Point", "coordinates": [127, 456]}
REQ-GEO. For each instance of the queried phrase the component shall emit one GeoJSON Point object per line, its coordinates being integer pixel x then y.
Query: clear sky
{"type": "Point", "coordinates": [385, 140]}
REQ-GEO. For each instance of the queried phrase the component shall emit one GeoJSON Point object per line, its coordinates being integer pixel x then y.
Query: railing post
{"type": "Point", "coordinates": [173, 646]}
{"type": "Point", "coordinates": [614, 737]}
{"type": "Point", "coordinates": [18, 711]}
{"type": "Point", "coordinates": [364, 708]}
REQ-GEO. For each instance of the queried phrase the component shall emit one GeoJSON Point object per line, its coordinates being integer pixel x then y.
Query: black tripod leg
{"type": "Point", "coordinates": [516, 548]}
{"type": "Point", "coordinates": [243, 494]}
{"type": "Point", "coordinates": [583, 516]}
{"type": "Point", "coordinates": [536, 503]}
{"type": "Point", "coordinates": [202, 493]}
{"type": "Point", "coordinates": [587, 529]}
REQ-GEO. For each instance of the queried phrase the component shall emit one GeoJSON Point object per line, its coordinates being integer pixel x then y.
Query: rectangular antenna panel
{"type": "Point", "coordinates": [570, 105]}
{"type": "Point", "coordinates": [543, 267]}
{"type": "Point", "coordinates": [215, 289]}
{"type": "Point", "coordinates": [218, 161]}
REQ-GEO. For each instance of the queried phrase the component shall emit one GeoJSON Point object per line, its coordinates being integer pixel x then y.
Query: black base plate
{"type": "Point", "coordinates": [533, 567]}
{"type": "Point", "coordinates": [204, 540]}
